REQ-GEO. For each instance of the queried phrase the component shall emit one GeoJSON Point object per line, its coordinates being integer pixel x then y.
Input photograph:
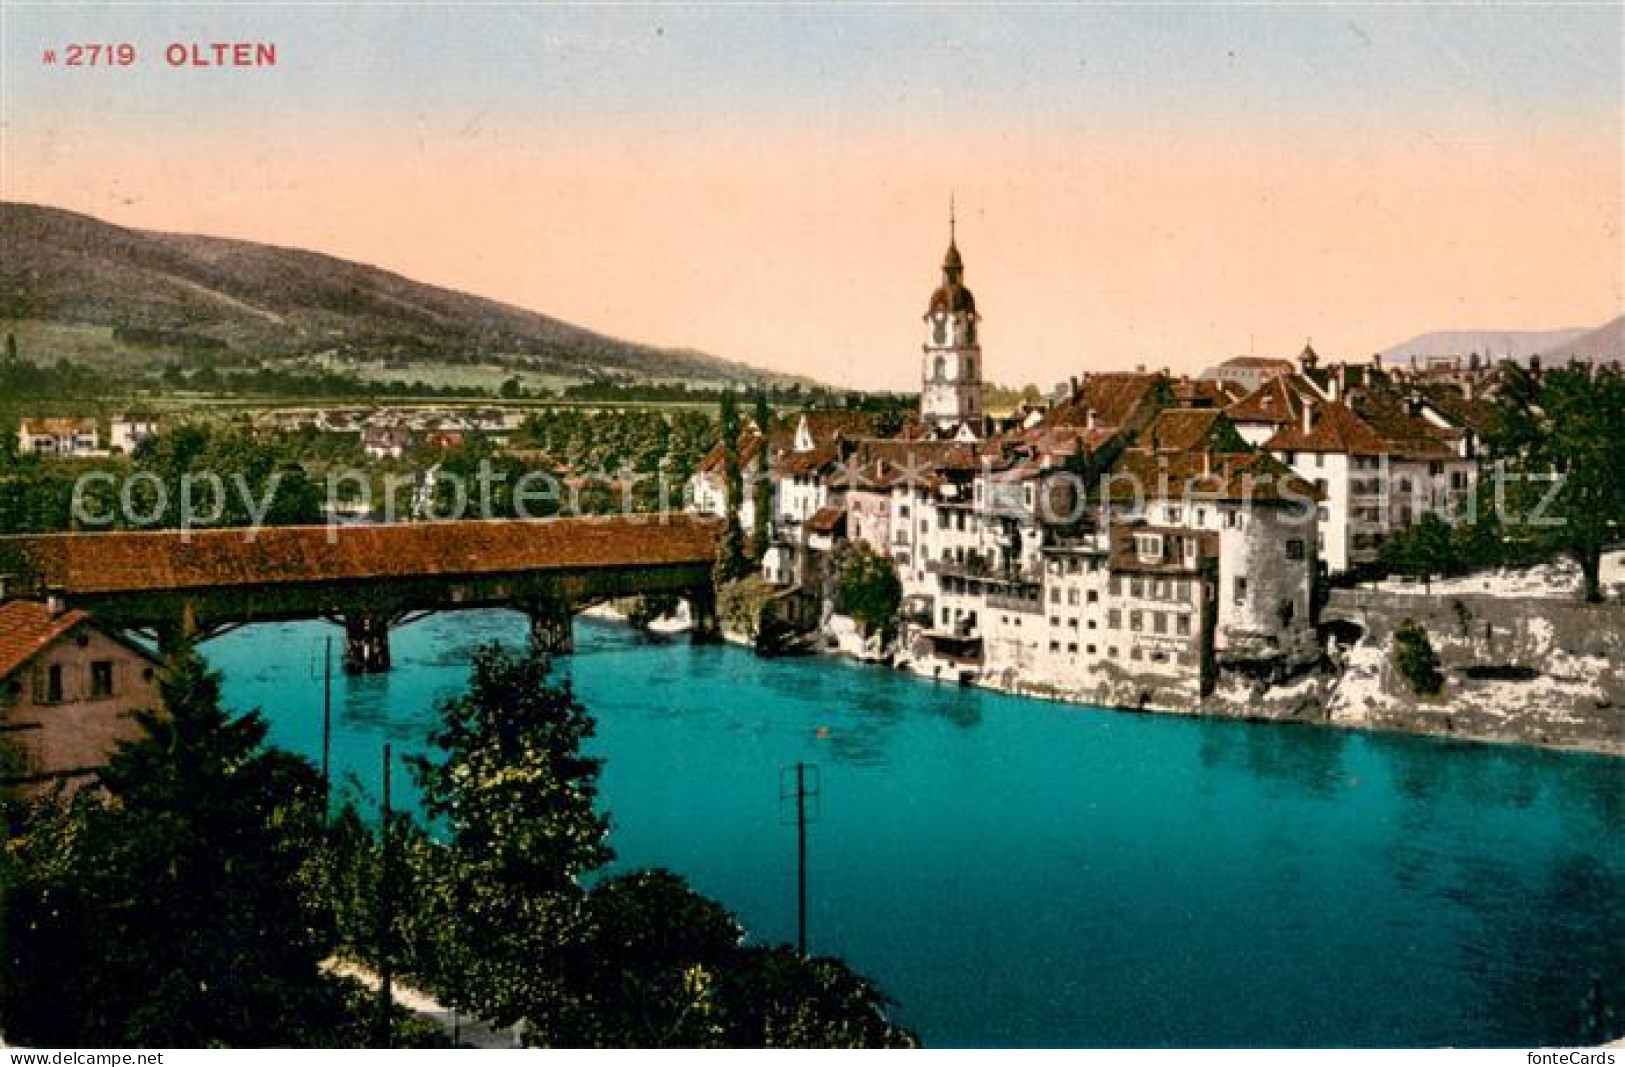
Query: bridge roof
{"type": "Point", "coordinates": [129, 562]}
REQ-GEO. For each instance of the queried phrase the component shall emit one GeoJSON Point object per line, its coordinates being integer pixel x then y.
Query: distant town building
{"type": "Point", "coordinates": [1249, 372]}
{"type": "Point", "coordinates": [386, 441]}
{"type": "Point", "coordinates": [68, 692]}
{"type": "Point", "coordinates": [59, 437]}
{"type": "Point", "coordinates": [126, 431]}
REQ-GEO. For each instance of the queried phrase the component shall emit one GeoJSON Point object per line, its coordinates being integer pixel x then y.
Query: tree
{"type": "Point", "coordinates": [181, 910]}
{"type": "Point", "coordinates": [516, 796]}
{"type": "Point", "coordinates": [1561, 437]}
{"type": "Point", "coordinates": [1415, 659]}
{"type": "Point", "coordinates": [1425, 550]}
{"type": "Point", "coordinates": [870, 589]}
{"type": "Point", "coordinates": [731, 562]}
{"type": "Point", "coordinates": [762, 485]}
{"type": "Point", "coordinates": [775, 998]}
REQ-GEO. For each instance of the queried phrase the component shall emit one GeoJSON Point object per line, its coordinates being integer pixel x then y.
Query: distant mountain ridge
{"type": "Point", "coordinates": [1595, 344]}
{"type": "Point", "coordinates": [195, 293]}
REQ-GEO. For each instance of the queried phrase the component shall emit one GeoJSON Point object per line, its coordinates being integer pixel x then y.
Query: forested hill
{"type": "Point", "coordinates": [191, 295]}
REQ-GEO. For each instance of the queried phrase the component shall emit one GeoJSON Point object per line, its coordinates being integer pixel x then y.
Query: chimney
{"type": "Point", "coordinates": [1077, 389]}
{"type": "Point", "coordinates": [1089, 419]}
{"type": "Point", "coordinates": [54, 606]}
{"type": "Point", "coordinates": [1308, 417]}
{"type": "Point", "coordinates": [1335, 382]}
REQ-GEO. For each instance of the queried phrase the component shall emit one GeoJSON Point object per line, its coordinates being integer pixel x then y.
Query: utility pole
{"type": "Point", "coordinates": [801, 784]}
{"type": "Point", "coordinates": [386, 916]}
{"type": "Point", "coordinates": [325, 650]}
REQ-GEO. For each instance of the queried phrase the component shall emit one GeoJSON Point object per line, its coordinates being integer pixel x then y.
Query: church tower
{"type": "Point", "coordinates": [951, 378]}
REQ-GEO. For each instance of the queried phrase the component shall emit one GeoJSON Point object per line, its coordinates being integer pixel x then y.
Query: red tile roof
{"type": "Point", "coordinates": [1248, 476]}
{"type": "Point", "coordinates": [27, 628]}
{"type": "Point", "coordinates": [1114, 398]}
{"type": "Point", "coordinates": [1336, 429]}
{"type": "Point", "coordinates": [1276, 401]}
{"type": "Point", "coordinates": [1284, 366]}
{"type": "Point", "coordinates": [90, 563]}
{"type": "Point", "coordinates": [1188, 429]}
{"type": "Point", "coordinates": [827, 520]}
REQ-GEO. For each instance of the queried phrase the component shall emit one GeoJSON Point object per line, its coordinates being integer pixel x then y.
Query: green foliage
{"type": "Point", "coordinates": [870, 589]}
{"type": "Point", "coordinates": [1426, 549]}
{"type": "Point", "coordinates": [1416, 660]}
{"type": "Point", "coordinates": [516, 797]}
{"type": "Point", "coordinates": [1567, 425]}
{"type": "Point", "coordinates": [762, 484]}
{"type": "Point", "coordinates": [740, 604]}
{"type": "Point", "coordinates": [651, 607]}
{"type": "Point", "coordinates": [183, 910]}
{"type": "Point", "coordinates": [732, 562]}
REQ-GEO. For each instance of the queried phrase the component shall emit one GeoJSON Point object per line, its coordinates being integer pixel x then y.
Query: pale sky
{"type": "Point", "coordinates": [1166, 185]}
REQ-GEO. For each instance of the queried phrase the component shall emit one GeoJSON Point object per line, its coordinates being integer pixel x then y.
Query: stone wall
{"type": "Point", "coordinates": [1561, 665]}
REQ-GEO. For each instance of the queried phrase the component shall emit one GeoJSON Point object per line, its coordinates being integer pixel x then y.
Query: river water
{"type": "Point", "coordinates": [1018, 872]}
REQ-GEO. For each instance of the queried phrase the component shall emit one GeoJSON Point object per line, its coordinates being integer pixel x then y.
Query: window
{"type": "Point", "coordinates": [53, 684]}
{"type": "Point", "coordinates": [101, 678]}
{"type": "Point", "coordinates": [1094, 596]}
{"type": "Point", "coordinates": [1159, 622]}
{"type": "Point", "coordinates": [1294, 549]}
{"type": "Point", "coordinates": [1136, 621]}
{"type": "Point", "coordinates": [1072, 647]}
{"type": "Point", "coordinates": [1182, 625]}
{"type": "Point", "coordinates": [1116, 585]}
{"type": "Point", "coordinates": [1175, 515]}
{"type": "Point", "coordinates": [1134, 654]}
{"type": "Point", "coordinates": [1055, 595]}
{"type": "Point", "coordinates": [1091, 650]}
{"type": "Point", "coordinates": [1149, 546]}
{"type": "Point", "coordinates": [1114, 620]}
{"type": "Point", "coordinates": [1072, 597]}
{"type": "Point", "coordinates": [1240, 589]}
{"type": "Point", "coordinates": [1320, 459]}
{"type": "Point", "coordinates": [1136, 587]}
{"type": "Point", "coordinates": [1055, 646]}
{"type": "Point", "coordinates": [1055, 620]}
{"type": "Point", "coordinates": [1321, 487]}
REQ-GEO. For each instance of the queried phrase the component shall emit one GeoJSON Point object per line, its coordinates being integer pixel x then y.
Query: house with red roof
{"type": "Point", "coordinates": [68, 693]}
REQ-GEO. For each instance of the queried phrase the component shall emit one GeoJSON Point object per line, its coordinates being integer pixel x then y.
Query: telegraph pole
{"type": "Point", "coordinates": [325, 650]}
{"type": "Point", "coordinates": [801, 858]}
{"type": "Point", "coordinates": [801, 786]}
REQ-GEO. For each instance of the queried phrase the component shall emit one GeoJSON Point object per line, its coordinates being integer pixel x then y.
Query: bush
{"type": "Point", "coordinates": [1416, 660]}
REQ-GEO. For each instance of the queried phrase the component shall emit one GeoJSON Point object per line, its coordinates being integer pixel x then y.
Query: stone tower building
{"type": "Point", "coordinates": [951, 374]}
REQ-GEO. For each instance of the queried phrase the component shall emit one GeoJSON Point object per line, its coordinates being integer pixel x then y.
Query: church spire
{"type": "Point", "coordinates": [953, 268]}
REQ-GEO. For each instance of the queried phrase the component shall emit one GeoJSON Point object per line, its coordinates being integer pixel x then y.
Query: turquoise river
{"type": "Point", "coordinates": [1016, 872]}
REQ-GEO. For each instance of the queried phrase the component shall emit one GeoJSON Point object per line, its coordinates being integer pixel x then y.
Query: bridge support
{"type": "Point", "coordinates": [179, 633]}
{"type": "Point", "coordinates": [550, 629]}
{"type": "Point", "coordinates": [366, 643]}
{"type": "Point", "coordinates": [702, 611]}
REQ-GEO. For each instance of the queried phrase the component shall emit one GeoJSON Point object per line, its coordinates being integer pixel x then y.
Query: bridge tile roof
{"type": "Point", "coordinates": [120, 562]}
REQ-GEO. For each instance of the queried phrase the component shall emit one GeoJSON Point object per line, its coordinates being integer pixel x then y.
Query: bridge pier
{"type": "Point", "coordinates": [550, 627]}
{"type": "Point", "coordinates": [179, 633]}
{"type": "Point", "coordinates": [366, 643]}
{"type": "Point", "coordinates": [702, 610]}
